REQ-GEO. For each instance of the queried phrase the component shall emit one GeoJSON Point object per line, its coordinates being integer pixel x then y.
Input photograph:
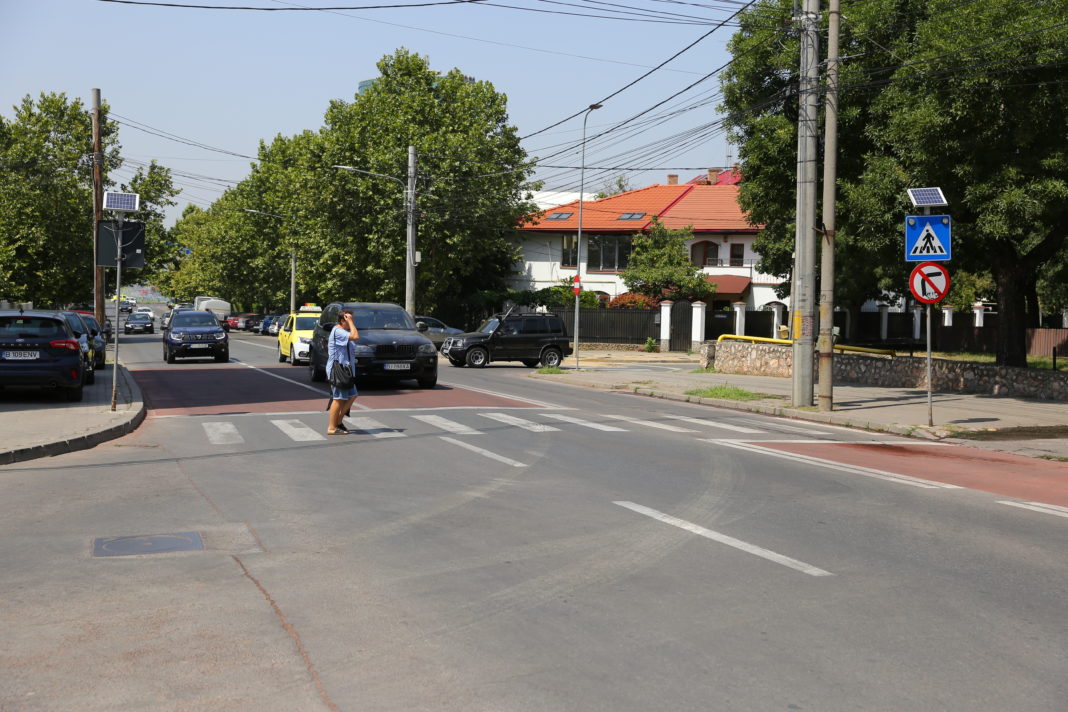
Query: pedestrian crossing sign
{"type": "Point", "coordinates": [927, 238]}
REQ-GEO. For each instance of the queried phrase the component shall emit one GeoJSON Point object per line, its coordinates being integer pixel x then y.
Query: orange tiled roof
{"type": "Point", "coordinates": [709, 208]}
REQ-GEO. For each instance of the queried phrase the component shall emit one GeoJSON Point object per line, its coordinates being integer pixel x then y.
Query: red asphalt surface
{"type": "Point", "coordinates": [1015, 476]}
{"type": "Point", "coordinates": [209, 389]}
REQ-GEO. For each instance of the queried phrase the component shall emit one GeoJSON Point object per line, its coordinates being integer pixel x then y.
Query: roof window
{"type": "Point", "coordinates": [559, 216]}
{"type": "Point", "coordinates": [631, 216]}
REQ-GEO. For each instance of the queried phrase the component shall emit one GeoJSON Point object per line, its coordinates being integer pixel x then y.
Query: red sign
{"type": "Point", "coordinates": [578, 285]}
{"type": "Point", "coordinates": [929, 282]}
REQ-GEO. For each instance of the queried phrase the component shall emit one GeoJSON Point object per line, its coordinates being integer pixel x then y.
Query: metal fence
{"type": "Point", "coordinates": [613, 326]}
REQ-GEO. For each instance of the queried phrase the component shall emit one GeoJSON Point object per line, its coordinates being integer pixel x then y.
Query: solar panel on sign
{"type": "Point", "coordinates": [124, 202]}
{"type": "Point", "coordinates": [927, 197]}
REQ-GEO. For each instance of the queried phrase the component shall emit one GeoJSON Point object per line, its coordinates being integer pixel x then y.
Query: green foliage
{"type": "Point", "coordinates": [651, 345]}
{"type": "Point", "coordinates": [659, 266]}
{"type": "Point", "coordinates": [973, 102]}
{"type": "Point", "coordinates": [725, 392]}
{"type": "Point", "coordinates": [630, 300]}
{"type": "Point", "coordinates": [613, 187]}
{"type": "Point", "coordinates": [966, 289]}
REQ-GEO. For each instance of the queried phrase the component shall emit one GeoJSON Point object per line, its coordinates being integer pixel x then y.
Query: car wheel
{"type": "Point", "coordinates": [90, 375]}
{"type": "Point", "coordinates": [457, 362]}
{"type": "Point", "coordinates": [170, 356]}
{"type": "Point", "coordinates": [293, 356]}
{"type": "Point", "coordinates": [282, 356]}
{"type": "Point", "coordinates": [152, 331]}
{"type": "Point", "coordinates": [223, 357]}
{"type": "Point", "coordinates": [477, 357]}
{"type": "Point", "coordinates": [550, 357]}
{"type": "Point", "coordinates": [530, 362]}
{"type": "Point", "coordinates": [74, 394]}
{"type": "Point", "coordinates": [429, 381]}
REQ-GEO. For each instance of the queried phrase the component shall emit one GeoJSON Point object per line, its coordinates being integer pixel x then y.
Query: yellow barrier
{"type": "Point", "coordinates": [762, 340]}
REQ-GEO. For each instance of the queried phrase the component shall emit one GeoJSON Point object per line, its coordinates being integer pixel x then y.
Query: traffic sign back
{"type": "Point", "coordinates": [927, 238]}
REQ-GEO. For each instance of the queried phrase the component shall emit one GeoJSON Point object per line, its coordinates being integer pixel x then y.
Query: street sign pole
{"type": "Point", "coordinates": [930, 404]}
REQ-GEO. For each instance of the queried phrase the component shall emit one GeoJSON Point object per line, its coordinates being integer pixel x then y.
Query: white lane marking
{"type": "Point", "coordinates": [297, 430]}
{"type": "Point", "coordinates": [776, 425]}
{"type": "Point", "coordinates": [728, 540]}
{"type": "Point", "coordinates": [372, 427]}
{"type": "Point", "coordinates": [714, 424]}
{"type": "Point", "coordinates": [483, 452]}
{"type": "Point", "coordinates": [488, 392]}
{"type": "Point", "coordinates": [1038, 507]}
{"type": "Point", "coordinates": [520, 422]}
{"type": "Point", "coordinates": [448, 425]}
{"type": "Point", "coordinates": [854, 469]}
{"type": "Point", "coordinates": [650, 423]}
{"type": "Point", "coordinates": [249, 343]}
{"type": "Point", "coordinates": [585, 423]}
{"type": "Point", "coordinates": [222, 433]}
{"type": "Point", "coordinates": [320, 391]}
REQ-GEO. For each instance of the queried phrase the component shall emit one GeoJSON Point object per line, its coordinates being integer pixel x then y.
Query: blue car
{"type": "Point", "coordinates": [195, 333]}
{"type": "Point", "coordinates": [39, 349]}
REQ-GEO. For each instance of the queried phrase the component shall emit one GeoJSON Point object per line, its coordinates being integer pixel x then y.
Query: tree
{"type": "Point", "coordinates": [613, 187]}
{"type": "Point", "coordinates": [659, 266]}
{"type": "Point", "coordinates": [971, 101]}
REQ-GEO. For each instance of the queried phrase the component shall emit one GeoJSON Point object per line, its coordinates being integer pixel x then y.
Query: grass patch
{"type": "Point", "coordinates": [727, 393]}
{"type": "Point", "coordinates": [710, 369]}
{"type": "Point", "coordinates": [1035, 362]}
{"type": "Point", "coordinates": [550, 370]}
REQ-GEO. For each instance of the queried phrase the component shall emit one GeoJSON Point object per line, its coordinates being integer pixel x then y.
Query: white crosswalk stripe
{"type": "Point", "coordinates": [222, 433]}
{"type": "Point", "coordinates": [789, 428]}
{"type": "Point", "coordinates": [297, 430]}
{"type": "Point", "coordinates": [585, 423]}
{"type": "Point", "coordinates": [651, 424]}
{"type": "Point", "coordinates": [520, 422]}
{"type": "Point", "coordinates": [714, 424]}
{"type": "Point", "coordinates": [372, 427]}
{"type": "Point", "coordinates": [448, 425]}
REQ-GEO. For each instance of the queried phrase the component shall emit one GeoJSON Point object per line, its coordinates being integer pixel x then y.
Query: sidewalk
{"type": "Point", "coordinates": [37, 424]}
{"type": "Point", "coordinates": [1021, 426]}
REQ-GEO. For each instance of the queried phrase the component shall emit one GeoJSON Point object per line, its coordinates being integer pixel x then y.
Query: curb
{"type": "Point", "coordinates": [82, 442]}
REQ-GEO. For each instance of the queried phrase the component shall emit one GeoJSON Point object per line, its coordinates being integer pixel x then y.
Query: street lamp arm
{"type": "Point", "coordinates": [371, 173]}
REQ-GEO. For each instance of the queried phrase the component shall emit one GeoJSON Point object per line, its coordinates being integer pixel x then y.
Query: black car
{"type": "Point", "coordinates": [530, 338]}
{"type": "Point", "coordinates": [100, 338]}
{"type": "Point", "coordinates": [390, 346]}
{"type": "Point", "coordinates": [40, 349]}
{"type": "Point", "coordinates": [139, 324]}
{"type": "Point", "coordinates": [437, 330]}
{"type": "Point", "coordinates": [195, 333]}
{"type": "Point", "coordinates": [125, 306]}
{"type": "Point", "coordinates": [86, 338]}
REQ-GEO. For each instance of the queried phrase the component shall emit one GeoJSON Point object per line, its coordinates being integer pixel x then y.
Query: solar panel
{"type": "Point", "coordinates": [122, 202]}
{"type": "Point", "coordinates": [927, 197]}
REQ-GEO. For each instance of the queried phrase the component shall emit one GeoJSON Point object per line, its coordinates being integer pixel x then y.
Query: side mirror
{"type": "Point", "coordinates": [421, 326]}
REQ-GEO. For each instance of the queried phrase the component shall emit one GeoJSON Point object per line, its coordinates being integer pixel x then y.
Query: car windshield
{"type": "Point", "coordinates": [383, 318]}
{"type": "Point", "coordinates": [307, 323]}
{"type": "Point", "coordinates": [193, 319]}
{"type": "Point", "coordinates": [489, 325]}
{"type": "Point", "coordinates": [138, 317]}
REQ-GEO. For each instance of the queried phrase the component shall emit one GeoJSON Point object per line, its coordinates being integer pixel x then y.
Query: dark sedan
{"type": "Point", "coordinates": [139, 324]}
{"type": "Point", "coordinates": [39, 349]}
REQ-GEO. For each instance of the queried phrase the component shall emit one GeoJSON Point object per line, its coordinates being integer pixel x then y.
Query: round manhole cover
{"type": "Point", "coordinates": [147, 544]}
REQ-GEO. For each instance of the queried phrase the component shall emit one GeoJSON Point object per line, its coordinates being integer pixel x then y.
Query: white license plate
{"type": "Point", "coordinates": [397, 366]}
{"type": "Point", "coordinates": [200, 346]}
{"type": "Point", "coordinates": [21, 355]}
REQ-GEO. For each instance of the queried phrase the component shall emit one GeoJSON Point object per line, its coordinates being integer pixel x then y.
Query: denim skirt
{"type": "Point", "coordinates": [342, 393]}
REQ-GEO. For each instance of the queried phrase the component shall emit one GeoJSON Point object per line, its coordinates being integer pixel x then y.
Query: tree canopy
{"type": "Point", "coordinates": [968, 98]}
{"type": "Point", "coordinates": [659, 266]}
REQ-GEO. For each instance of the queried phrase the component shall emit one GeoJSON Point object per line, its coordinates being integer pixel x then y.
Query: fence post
{"type": "Point", "coordinates": [697, 325]}
{"type": "Point", "coordinates": [665, 325]}
{"type": "Point", "coordinates": [739, 318]}
{"type": "Point", "coordinates": [917, 322]}
{"type": "Point", "coordinates": [1064, 319]}
{"type": "Point", "coordinates": [776, 321]}
{"type": "Point", "coordinates": [977, 309]}
{"type": "Point", "coordinates": [884, 321]}
{"type": "Point", "coordinates": [947, 315]}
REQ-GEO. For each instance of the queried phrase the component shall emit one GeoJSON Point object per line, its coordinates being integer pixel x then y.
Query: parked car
{"type": "Point", "coordinates": [436, 330]}
{"type": "Point", "coordinates": [99, 339]}
{"type": "Point", "coordinates": [295, 335]}
{"type": "Point", "coordinates": [126, 306]}
{"type": "Point", "coordinates": [390, 346]}
{"type": "Point", "coordinates": [195, 333]}
{"type": "Point", "coordinates": [530, 338]}
{"type": "Point", "coordinates": [252, 322]}
{"type": "Point", "coordinates": [239, 321]}
{"type": "Point", "coordinates": [83, 333]}
{"type": "Point", "coordinates": [145, 310]}
{"type": "Point", "coordinates": [275, 325]}
{"type": "Point", "coordinates": [265, 324]}
{"type": "Point", "coordinates": [39, 349]}
{"type": "Point", "coordinates": [139, 324]}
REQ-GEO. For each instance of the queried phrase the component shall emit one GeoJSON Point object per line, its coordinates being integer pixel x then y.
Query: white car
{"type": "Point", "coordinates": [145, 310]}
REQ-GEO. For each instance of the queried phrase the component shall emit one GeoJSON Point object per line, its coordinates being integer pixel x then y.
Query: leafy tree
{"type": "Point", "coordinates": [659, 266]}
{"type": "Point", "coordinates": [966, 289]}
{"type": "Point", "coordinates": [971, 100]}
{"type": "Point", "coordinates": [613, 187]}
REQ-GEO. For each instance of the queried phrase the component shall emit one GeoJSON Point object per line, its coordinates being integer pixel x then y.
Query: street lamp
{"type": "Point", "coordinates": [409, 211]}
{"type": "Point", "coordinates": [578, 244]}
{"type": "Point", "coordinates": [292, 263]}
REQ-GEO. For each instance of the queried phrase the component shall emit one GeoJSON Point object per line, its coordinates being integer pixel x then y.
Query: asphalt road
{"type": "Point", "coordinates": [501, 543]}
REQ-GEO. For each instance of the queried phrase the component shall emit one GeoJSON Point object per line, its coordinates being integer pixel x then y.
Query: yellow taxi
{"type": "Point", "coordinates": [295, 334]}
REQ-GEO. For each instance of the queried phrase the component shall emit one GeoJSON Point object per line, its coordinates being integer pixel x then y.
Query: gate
{"type": "Point", "coordinates": [681, 327]}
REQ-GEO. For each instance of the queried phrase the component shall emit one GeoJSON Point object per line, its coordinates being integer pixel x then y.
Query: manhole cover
{"type": "Point", "coordinates": [146, 544]}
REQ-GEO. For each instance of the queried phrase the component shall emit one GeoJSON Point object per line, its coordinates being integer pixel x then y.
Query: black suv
{"type": "Point", "coordinates": [530, 338]}
{"type": "Point", "coordinates": [195, 333]}
{"type": "Point", "coordinates": [390, 345]}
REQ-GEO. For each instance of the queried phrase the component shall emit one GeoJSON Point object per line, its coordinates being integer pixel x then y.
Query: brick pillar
{"type": "Point", "coordinates": [977, 310]}
{"type": "Point", "coordinates": [947, 315]}
{"type": "Point", "coordinates": [739, 318]}
{"type": "Point", "coordinates": [697, 330]}
{"type": "Point", "coordinates": [884, 321]}
{"type": "Point", "coordinates": [1064, 319]}
{"type": "Point", "coordinates": [776, 321]}
{"type": "Point", "coordinates": [665, 325]}
{"type": "Point", "coordinates": [917, 322]}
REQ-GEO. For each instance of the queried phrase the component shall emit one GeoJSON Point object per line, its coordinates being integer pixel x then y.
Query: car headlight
{"type": "Point", "coordinates": [458, 343]}
{"type": "Point", "coordinates": [304, 339]}
{"type": "Point", "coordinates": [363, 350]}
{"type": "Point", "coordinates": [171, 336]}
{"type": "Point", "coordinates": [220, 336]}
{"type": "Point", "coordinates": [427, 349]}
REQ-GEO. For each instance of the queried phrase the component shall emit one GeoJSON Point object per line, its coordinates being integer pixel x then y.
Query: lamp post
{"type": "Point", "coordinates": [409, 211]}
{"type": "Point", "coordinates": [578, 244]}
{"type": "Point", "coordinates": [292, 263]}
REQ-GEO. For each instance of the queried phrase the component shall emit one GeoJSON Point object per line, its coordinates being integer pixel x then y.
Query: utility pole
{"type": "Point", "coordinates": [830, 176]}
{"type": "Point", "coordinates": [804, 301]}
{"type": "Point", "coordinates": [409, 262]}
{"type": "Point", "coordinates": [98, 212]}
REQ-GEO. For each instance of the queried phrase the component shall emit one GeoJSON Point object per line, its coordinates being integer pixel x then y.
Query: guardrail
{"type": "Point", "coordinates": [837, 347]}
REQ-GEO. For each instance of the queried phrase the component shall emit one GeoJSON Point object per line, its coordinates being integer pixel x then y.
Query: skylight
{"type": "Point", "coordinates": [559, 216]}
{"type": "Point", "coordinates": [631, 216]}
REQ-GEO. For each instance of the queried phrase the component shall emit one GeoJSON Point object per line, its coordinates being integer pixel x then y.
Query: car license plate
{"type": "Point", "coordinates": [21, 355]}
{"type": "Point", "coordinates": [200, 346]}
{"type": "Point", "coordinates": [397, 366]}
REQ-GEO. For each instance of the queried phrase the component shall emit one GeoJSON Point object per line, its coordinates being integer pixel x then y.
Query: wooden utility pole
{"type": "Point", "coordinates": [98, 211]}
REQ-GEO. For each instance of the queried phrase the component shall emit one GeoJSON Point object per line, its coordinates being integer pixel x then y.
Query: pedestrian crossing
{"type": "Point", "coordinates": [397, 424]}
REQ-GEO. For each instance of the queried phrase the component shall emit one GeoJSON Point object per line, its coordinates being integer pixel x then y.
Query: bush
{"type": "Point", "coordinates": [651, 345]}
{"type": "Point", "coordinates": [630, 300]}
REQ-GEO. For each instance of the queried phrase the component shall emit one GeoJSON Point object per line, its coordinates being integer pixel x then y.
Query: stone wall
{"type": "Point", "coordinates": [890, 371]}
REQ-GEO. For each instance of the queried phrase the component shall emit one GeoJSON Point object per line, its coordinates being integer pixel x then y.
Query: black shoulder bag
{"type": "Point", "coordinates": [341, 374]}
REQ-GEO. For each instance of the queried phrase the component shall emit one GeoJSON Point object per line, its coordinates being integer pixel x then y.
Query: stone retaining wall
{"type": "Point", "coordinates": [890, 371]}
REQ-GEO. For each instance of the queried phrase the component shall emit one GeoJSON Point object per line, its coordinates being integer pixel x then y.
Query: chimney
{"type": "Point", "coordinates": [713, 174]}
{"type": "Point", "coordinates": [673, 178]}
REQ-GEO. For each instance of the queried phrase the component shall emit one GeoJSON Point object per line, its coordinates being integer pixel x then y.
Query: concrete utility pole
{"type": "Point", "coordinates": [98, 213]}
{"type": "Point", "coordinates": [804, 301]}
{"type": "Point", "coordinates": [830, 176]}
{"type": "Point", "coordinates": [409, 262]}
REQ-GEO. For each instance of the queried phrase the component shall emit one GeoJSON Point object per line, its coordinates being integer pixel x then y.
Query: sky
{"type": "Point", "coordinates": [228, 78]}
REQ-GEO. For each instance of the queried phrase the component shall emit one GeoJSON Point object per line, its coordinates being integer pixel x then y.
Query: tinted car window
{"type": "Point", "coordinates": [306, 322]}
{"type": "Point", "coordinates": [193, 319]}
{"type": "Point", "coordinates": [76, 324]}
{"type": "Point", "coordinates": [30, 327]}
{"type": "Point", "coordinates": [383, 318]}
{"type": "Point", "coordinates": [534, 326]}
{"type": "Point", "coordinates": [139, 318]}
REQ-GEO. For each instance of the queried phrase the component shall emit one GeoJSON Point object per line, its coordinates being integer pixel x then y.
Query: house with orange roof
{"type": "Point", "coordinates": [722, 244]}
